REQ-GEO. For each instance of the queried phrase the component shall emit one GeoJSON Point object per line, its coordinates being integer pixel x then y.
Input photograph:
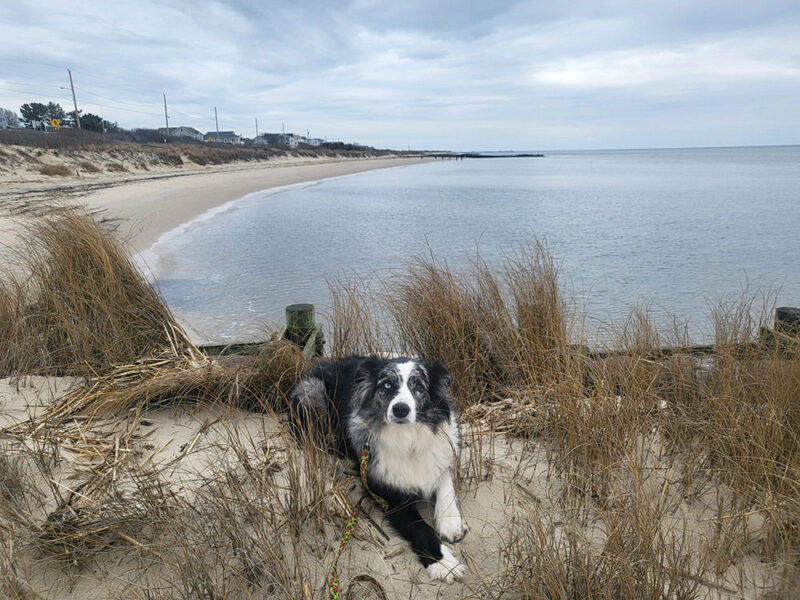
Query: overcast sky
{"type": "Point", "coordinates": [455, 75]}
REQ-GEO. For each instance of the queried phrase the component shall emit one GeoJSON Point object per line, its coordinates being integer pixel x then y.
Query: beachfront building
{"type": "Point", "coordinates": [281, 140]}
{"type": "Point", "coordinates": [225, 137]}
{"type": "Point", "coordinates": [271, 139]}
{"type": "Point", "coordinates": [183, 132]}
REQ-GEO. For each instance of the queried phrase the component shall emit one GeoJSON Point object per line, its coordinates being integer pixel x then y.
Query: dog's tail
{"type": "Point", "coordinates": [309, 417]}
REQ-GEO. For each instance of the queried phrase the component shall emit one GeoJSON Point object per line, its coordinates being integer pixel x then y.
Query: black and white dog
{"type": "Point", "coordinates": [403, 409]}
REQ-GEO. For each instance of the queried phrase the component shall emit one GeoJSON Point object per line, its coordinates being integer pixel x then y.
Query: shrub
{"type": "Point", "coordinates": [89, 167]}
{"type": "Point", "coordinates": [53, 170]}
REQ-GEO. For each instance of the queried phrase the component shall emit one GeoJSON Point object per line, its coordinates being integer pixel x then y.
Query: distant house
{"type": "Point", "coordinates": [281, 140]}
{"type": "Point", "coordinates": [286, 140]}
{"type": "Point", "coordinates": [295, 139]}
{"type": "Point", "coordinates": [269, 139]}
{"type": "Point", "coordinates": [185, 132]}
{"type": "Point", "coordinates": [225, 137]}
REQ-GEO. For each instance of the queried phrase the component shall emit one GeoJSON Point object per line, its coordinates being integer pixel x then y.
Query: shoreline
{"type": "Point", "coordinates": [167, 204]}
{"type": "Point", "coordinates": [140, 208]}
{"type": "Point", "coordinates": [147, 258]}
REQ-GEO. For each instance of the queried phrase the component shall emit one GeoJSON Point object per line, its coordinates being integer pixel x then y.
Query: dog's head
{"type": "Point", "coordinates": [403, 390]}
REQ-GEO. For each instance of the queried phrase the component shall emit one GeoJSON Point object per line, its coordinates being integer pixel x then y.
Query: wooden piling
{"type": "Point", "coordinates": [301, 329]}
{"type": "Point", "coordinates": [299, 322]}
{"type": "Point", "coordinates": [787, 320]}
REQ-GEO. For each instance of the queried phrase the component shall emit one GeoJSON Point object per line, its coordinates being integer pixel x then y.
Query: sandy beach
{"type": "Point", "coordinates": [143, 206]}
{"type": "Point", "coordinates": [151, 208]}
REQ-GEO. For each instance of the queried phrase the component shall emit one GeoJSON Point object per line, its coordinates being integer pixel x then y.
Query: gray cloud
{"type": "Point", "coordinates": [453, 74]}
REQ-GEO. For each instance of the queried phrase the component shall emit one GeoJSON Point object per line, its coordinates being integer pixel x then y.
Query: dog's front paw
{"type": "Point", "coordinates": [452, 528]}
{"type": "Point", "coordinates": [447, 568]}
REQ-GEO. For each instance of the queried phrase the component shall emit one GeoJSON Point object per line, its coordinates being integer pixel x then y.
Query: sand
{"type": "Point", "coordinates": [505, 486]}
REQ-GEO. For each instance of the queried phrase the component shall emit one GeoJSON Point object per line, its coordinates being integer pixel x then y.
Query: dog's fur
{"type": "Point", "coordinates": [403, 409]}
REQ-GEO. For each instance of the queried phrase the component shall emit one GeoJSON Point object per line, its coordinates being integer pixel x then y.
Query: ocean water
{"type": "Point", "coordinates": [673, 230]}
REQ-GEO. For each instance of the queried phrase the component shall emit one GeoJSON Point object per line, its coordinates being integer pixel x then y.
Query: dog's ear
{"type": "Point", "coordinates": [438, 372]}
{"type": "Point", "coordinates": [366, 370]}
{"type": "Point", "coordinates": [438, 381]}
{"type": "Point", "coordinates": [364, 381]}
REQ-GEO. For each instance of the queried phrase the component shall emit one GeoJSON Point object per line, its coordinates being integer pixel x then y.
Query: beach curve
{"type": "Point", "coordinates": [146, 210]}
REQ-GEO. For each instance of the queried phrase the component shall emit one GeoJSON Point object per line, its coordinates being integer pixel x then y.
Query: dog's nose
{"type": "Point", "coordinates": [400, 410]}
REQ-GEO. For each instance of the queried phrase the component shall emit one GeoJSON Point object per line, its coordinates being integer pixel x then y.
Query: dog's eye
{"type": "Point", "coordinates": [387, 385]}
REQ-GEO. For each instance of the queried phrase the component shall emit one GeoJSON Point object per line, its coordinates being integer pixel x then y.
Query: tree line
{"type": "Point", "coordinates": [35, 113]}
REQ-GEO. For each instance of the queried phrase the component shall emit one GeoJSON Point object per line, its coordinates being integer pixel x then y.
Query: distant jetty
{"type": "Point", "coordinates": [463, 155]}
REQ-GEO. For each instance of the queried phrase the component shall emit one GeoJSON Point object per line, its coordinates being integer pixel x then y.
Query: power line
{"type": "Point", "coordinates": [37, 93]}
{"type": "Point", "coordinates": [127, 82]}
{"type": "Point", "coordinates": [118, 101]}
{"type": "Point", "coordinates": [23, 84]}
{"type": "Point", "coordinates": [115, 103]}
{"type": "Point", "coordinates": [112, 104]}
{"type": "Point", "coordinates": [37, 61]}
{"type": "Point", "coordinates": [89, 103]}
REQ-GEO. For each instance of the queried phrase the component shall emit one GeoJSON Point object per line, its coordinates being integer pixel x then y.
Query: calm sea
{"type": "Point", "coordinates": [676, 230]}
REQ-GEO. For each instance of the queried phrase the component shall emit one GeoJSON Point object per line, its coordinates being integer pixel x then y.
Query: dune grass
{"type": "Point", "coordinates": [496, 331]}
{"type": "Point", "coordinates": [55, 170]}
{"type": "Point", "coordinates": [89, 166]}
{"type": "Point", "coordinates": [639, 435]}
{"type": "Point", "coordinates": [77, 304]}
{"type": "Point", "coordinates": [662, 474]}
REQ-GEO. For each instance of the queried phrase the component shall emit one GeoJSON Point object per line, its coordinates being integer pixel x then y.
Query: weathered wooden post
{"type": "Point", "coordinates": [787, 320]}
{"type": "Point", "coordinates": [301, 329]}
{"type": "Point", "coordinates": [299, 322]}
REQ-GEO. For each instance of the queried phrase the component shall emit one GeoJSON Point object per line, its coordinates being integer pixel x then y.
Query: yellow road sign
{"type": "Point", "coordinates": [56, 124]}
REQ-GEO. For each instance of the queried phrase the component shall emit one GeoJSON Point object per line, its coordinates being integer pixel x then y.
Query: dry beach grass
{"type": "Point", "coordinates": [149, 470]}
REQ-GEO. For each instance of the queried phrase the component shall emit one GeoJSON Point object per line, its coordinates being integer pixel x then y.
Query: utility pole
{"type": "Point", "coordinates": [216, 120]}
{"type": "Point", "coordinates": [166, 116]}
{"type": "Point", "coordinates": [74, 102]}
{"type": "Point", "coordinates": [283, 129]}
{"type": "Point", "coordinates": [256, 127]}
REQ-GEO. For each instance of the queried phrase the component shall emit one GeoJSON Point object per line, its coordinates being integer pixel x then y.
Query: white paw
{"type": "Point", "coordinates": [451, 529]}
{"type": "Point", "coordinates": [446, 568]}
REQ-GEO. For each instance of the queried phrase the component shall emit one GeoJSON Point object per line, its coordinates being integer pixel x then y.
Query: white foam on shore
{"type": "Point", "coordinates": [149, 260]}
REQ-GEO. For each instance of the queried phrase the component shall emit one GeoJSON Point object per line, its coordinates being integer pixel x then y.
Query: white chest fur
{"type": "Point", "coordinates": [412, 457]}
